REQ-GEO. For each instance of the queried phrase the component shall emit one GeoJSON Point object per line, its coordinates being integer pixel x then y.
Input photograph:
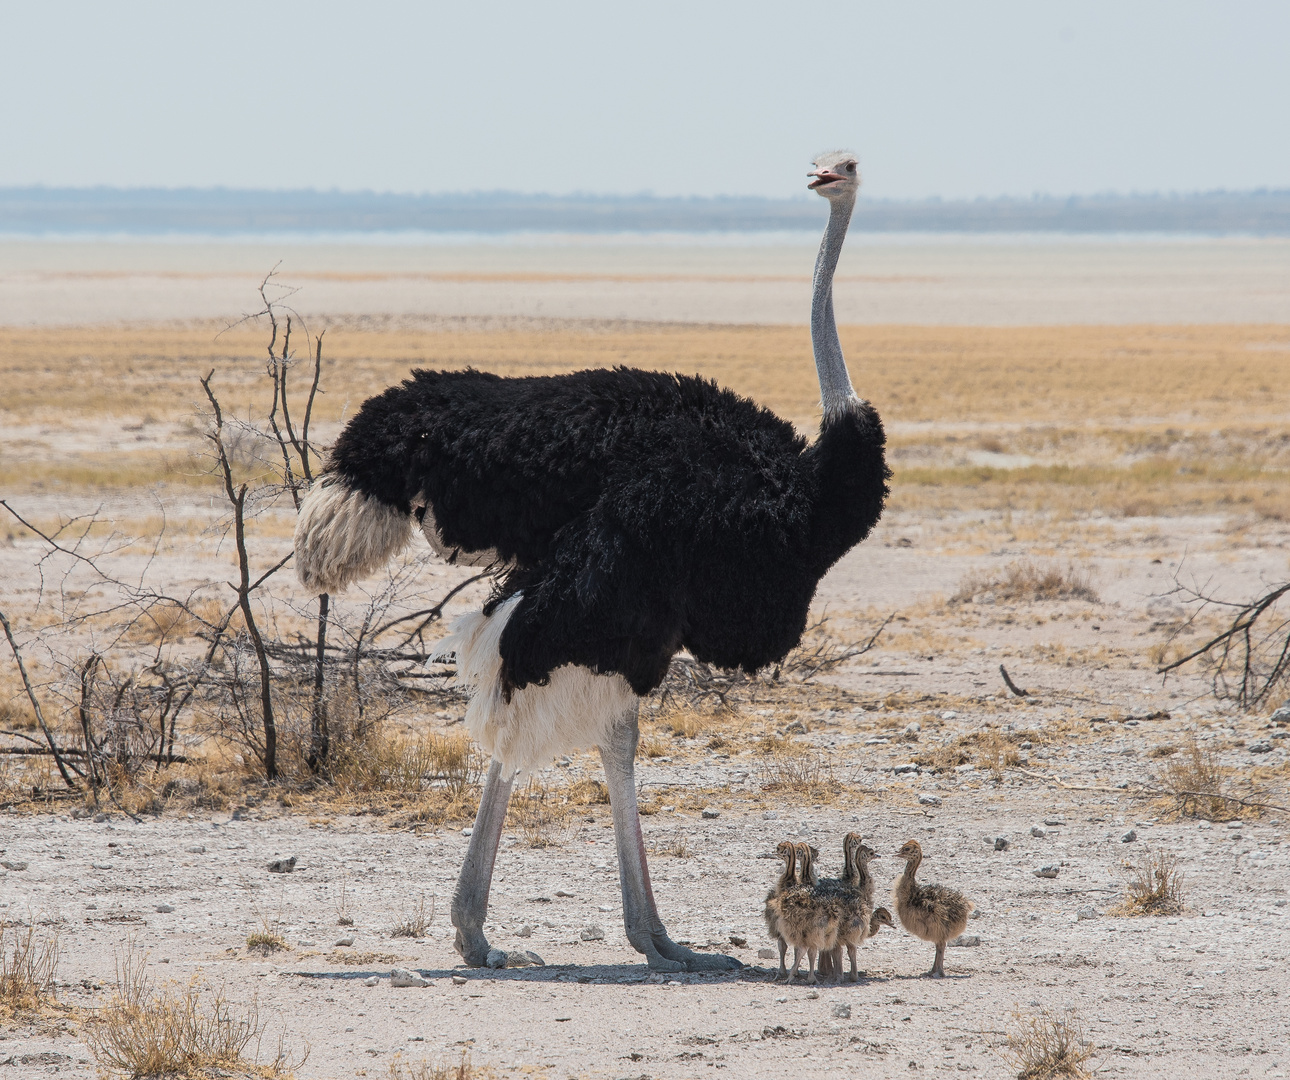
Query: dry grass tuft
{"type": "Point", "coordinates": [541, 815]}
{"type": "Point", "coordinates": [265, 942]}
{"type": "Point", "coordinates": [798, 771]}
{"type": "Point", "coordinates": [587, 792]}
{"type": "Point", "coordinates": [1046, 1046]}
{"type": "Point", "coordinates": [27, 966]}
{"type": "Point", "coordinates": [1023, 581]}
{"type": "Point", "coordinates": [172, 1031]}
{"type": "Point", "coordinates": [675, 846]}
{"type": "Point", "coordinates": [1198, 783]}
{"type": "Point", "coordinates": [442, 1069]}
{"type": "Point", "coordinates": [1155, 887]}
{"type": "Point", "coordinates": [416, 921]}
{"type": "Point", "coordinates": [1162, 750]}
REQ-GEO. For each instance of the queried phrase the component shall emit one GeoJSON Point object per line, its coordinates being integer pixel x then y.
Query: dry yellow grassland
{"type": "Point", "coordinates": [1138, 420]}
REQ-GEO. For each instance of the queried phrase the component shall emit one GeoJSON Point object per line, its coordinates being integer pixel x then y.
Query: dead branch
{"type": "Point", "coordinates": [1253, 651]}
{"type": "Point", "coordinates": [1012, 685]}
{"type": "Point", "coordinates": [237, 498]}
{"type": "Point", "coordinates": [35, 703]}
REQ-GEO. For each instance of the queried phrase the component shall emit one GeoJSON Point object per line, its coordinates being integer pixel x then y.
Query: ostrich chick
{"type": "Point", "coordinates": [808, 915]}
{"type": "Point", "coordinates": [932, 912]}
{"type": "Point", "coordinates": [787, 880]}
{"type": "Point", "coordinates": [855, 896]}
{"type": "Point", "coordinates": [881, 917]}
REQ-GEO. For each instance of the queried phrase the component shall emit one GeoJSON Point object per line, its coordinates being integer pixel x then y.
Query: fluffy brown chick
{"type": "Point", "coordinates": [808, 916]}
{"type": "Point", "coordinates": [932, 912]}
{"type": "Point", "coordinates": [787, 879]}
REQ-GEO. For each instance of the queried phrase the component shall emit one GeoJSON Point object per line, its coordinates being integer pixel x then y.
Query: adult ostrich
{"type": "Point", "coordinates": [632, 513]}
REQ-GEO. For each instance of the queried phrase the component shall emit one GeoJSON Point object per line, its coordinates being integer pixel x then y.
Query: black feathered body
{"type": "Point", "coordinates": [638, 512]}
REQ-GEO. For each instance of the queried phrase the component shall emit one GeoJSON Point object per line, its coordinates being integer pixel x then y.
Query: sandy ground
{"type": "Point", "coordinates": [957, 281]}
{"type": "Point", "coordinates": [1158, 996]}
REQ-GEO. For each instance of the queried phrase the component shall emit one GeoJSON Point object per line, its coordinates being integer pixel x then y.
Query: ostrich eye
{"type": "Point", "coordinates": [851, 166]}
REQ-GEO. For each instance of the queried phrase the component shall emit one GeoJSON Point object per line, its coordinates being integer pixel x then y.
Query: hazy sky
{"type": "Point", "coordinates": [939, 98]}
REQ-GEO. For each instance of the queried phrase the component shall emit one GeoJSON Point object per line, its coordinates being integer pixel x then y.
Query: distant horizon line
{"type": "Point", "coordinates": [648, 196]}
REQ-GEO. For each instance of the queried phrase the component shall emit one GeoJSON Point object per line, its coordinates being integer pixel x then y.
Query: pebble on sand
{"type": "Point", "coordinates": [1048, 871]}
{"type": "Point", "coordinates": [283, 866]}
{"type": "Point", "coordinates": [404, 977]}
{"type": "Point", "coordinates": [1038, 831]}
{"type": "Point", "coordinates": [926, 798]}
{"type": "Point", "coordinates": [1001, 843]}
{"type": "Point", "coordinates": [349, 940]}
{"type": "Point", "coordinates": [965, 941]}
{"type": "Point", "coordinates": [374, 980]}
{"type": "Point", "coordinates": [592, 933]}
{"type": "Point", "coordinates": [1129, 837]}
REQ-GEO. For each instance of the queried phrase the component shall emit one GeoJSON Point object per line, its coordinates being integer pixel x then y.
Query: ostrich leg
{"type": "Point", "coordinates": [644, 928]}
{"type": "Point", "coordinates": [470, 901]}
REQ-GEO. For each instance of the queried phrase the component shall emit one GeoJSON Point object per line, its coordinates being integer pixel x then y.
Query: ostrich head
{"type": "Point", "coordinates": [836, 175]}
{"type": "Point", "coordinates": [910, 852]}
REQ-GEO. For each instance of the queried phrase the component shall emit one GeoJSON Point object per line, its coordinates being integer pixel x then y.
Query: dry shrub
{"type": "Point", "coordinates": [686, 723]}
{"type": "Point", "coordinates": [675, 846]}
{"type": "Point", "coordinates": [1155, 887]}
{"type": "Point", "coordinates": [540, 813]}
{"type": "Point", "coordinates": [416, 921]}
{"type": "Point", "coordinates": [1023, 581]}
{"type": "Point", "coordinates": [988, 749]}
{"type": "Point", "coordinates": [799, 771]}
{"type": "Point", "coordinates": [169, 621]}
{"type": "Point", "coordinates": [654, 748]}
{"type": "Point", "coordinates": [1047, 1045]}
{"type": "Point", "coordinates": [265, 941]}
{"type": "Point", "coordinates": [442, 1069]}
{"type": "Point", "coordinates": [149, 1032]}
{"type": "Point", "coordinates": [587, 792]}
{"type": "Point", "coordinates": [27, 966]}
{"type": "Point", "coordinates": [14, 714]}
{"type": "Point", "coordinates": [1162, 750]}
{"type": "Point", "coordinates": [380, 764]}
{"type": "Point", "coordinates": [1197, 782]}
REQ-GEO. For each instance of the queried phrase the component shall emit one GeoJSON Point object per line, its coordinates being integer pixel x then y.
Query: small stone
{"type": "Point", "coordinates": [1129, 837]}
{"type": "Point", "coordinates": [960, 769]}
{"type": "Point", "coordinates": [197, 849]}
{"type": "Point", "coordinates": [165, 909]}
{"type": "Point", "coordinates": [1027, 745]}
{"type": "Point", "coordinates": [1261, 748]}
{"type": "Point", "coordinates": [812, 995]}
{"type": "Point", "coordinates": [1001, 843]}
{"type": "Point", "coordinates": [949, 715]}
{"type": "Point", "coordinates": [459, 980]}
{"type": "Point", "coordinates": [100, 817]}
{"type": "Point", "coordinates": [1048, 871]}
{"type": "Point", "coordinates": [468, 831]}
{"type": "Point", "coordinates": [496, 958]}
{"type": "Point", "coordinates": [347, 940]}
{"type": "Point", "coordinates": [1038, 831]}
{"type": "Point", "coordinates": [711, 812]}
{"type": "Point", "coordinates": [1053, 822]}
{"type": "Point", "coordinates": [1281, 734]}
{"type": "Point", "coordinates": [539, 899]}
{"type": "Point", "coordinates": [283, 866]}
{"type": "Point", "coordinates": [770, 815]}
{"type": "Point", "coordinates": [566, 895]}
{"type": "Point", "coordinates": [795, 728]}
{"type": "Point", "coordinates": [1089, 912]}
{"type": "Point", "coordinates": [592, 933]}
{"type": "Point", "coordinates": [533, 958]}
{"type": "Point", "coordinates": [738, 940]}
{"type": "Point", "coordinates": [524, 931]}
{"type": "Point", "coordinates": [903, 770]}
{"type": "Point", "coordinates": [841, 1011]}
{"type": "Point", "coordinates": [13, 864]}
{"type": "Point", "coordinates": [373, 980]}
{"type": "Point", "coordinates": [306, 944]}
{"type": "Point", "coordinates": [767, 954]}
{"type": "Point", "coordinates": [926, 798]}
{"type": "Point", "coordinates": [965, 941]}
{"type": "Point", "coordinates": [1281, 715]}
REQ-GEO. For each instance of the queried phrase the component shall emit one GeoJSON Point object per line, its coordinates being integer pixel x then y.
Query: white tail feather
{"type": "Point", "coordinates": [577, 708]}
{"type": "Point", "coordinates": [343, 535]}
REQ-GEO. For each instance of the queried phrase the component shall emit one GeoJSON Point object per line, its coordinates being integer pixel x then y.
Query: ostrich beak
{"type": "Point", "coordinates": [822, 177]}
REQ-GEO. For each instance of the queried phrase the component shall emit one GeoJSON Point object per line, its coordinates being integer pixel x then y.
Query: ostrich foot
{"type": "Point", "coordinates": [472, 945]}
{"type": "Point", "coordinates": [664, 954]}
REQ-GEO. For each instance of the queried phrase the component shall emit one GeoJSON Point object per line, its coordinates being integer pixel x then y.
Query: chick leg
{"type": "Point", "coordinates": [938, 965]}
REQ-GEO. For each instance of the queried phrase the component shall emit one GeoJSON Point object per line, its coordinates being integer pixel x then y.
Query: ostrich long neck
{"type": "Point", "coordinates": [835, 384]}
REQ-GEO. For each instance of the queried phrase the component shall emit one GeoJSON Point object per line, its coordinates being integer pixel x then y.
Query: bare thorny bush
{"type": "Point", "coordinates": [1248, 661]}
{"type": "Point", "coordinates": [133, 675]}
